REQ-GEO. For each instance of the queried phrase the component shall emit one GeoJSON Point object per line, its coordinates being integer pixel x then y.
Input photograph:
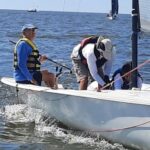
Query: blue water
{"type": "Point", "coordinates": [58, 33]}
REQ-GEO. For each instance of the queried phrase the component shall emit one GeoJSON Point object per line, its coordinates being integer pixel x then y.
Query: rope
{"type": "Point", "coordinates": [139, 66]}
{"type": "Point", "coordinates": [114, 130]}
{"type": "Point", "coordinates": [125, 128]}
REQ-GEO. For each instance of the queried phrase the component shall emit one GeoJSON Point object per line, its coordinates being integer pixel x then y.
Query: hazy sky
{"type": "Point", "coordinates": [100, 6]}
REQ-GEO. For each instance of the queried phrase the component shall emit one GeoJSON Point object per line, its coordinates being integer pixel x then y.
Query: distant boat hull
{"type": "Point", "coordinates": [111, 17]}
{"type": "Point", "coordinates": [32, 10]}
{"type": "Point", "coordinates": [120, 116]}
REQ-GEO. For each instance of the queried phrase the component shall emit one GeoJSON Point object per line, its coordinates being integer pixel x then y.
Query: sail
{"type": "Point", "coordinates": [114, 5]}
{"type": "Point", "coordinates": [144, 6]}
{"type": "Point", "coordinates": [114, 9]}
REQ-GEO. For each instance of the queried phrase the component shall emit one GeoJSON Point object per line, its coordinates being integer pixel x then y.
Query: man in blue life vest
{"type": "Point", "coordinates": [122, 77]}
{"type": "Point", "coordinates": [93, 60]}
{"type": "Point", "coordinates": [27, 60]}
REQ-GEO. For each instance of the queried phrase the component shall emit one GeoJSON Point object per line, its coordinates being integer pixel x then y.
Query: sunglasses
{"type": "Point", "coordinates": [33, 30]}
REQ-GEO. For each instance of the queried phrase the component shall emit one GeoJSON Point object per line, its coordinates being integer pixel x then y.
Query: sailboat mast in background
{"type": "Point", "coordinates": [114, 7]}
{"type": "Point", "coordinates": [114, 10]}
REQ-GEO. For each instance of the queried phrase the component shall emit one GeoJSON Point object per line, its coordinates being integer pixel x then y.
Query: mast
{"type": "Point", "coordinates": [114, 7]}
{"type": "Point", "coordinates": [135, 29]}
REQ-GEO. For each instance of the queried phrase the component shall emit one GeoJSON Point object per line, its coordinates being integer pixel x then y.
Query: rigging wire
{"type": "Point", "coordinates": [64, 3]}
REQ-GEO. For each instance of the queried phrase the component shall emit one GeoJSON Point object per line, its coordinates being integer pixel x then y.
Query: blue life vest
{"type": "Point", "coordinates": [125, 84]}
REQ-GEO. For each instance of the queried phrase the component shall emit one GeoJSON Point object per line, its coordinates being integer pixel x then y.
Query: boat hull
{"type": "Point", "coordinates": [108, 114]}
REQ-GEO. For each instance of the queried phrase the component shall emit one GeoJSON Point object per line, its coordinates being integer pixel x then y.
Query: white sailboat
{"type": "Point", "coordinates": [121, 116]}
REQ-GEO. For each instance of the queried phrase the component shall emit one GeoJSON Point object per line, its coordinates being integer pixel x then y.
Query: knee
{"type": "Point", "coordinates": [84, 80]}
{"type": "Point", "coordinates": [49, 78]}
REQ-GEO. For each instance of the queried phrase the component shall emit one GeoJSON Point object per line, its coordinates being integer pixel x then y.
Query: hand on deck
{"type": "Point", "coordinates": [33, 82]}
{"type": "Point", "coordinates": [99, 88]}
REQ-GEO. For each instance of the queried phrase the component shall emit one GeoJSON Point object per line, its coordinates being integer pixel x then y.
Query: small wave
{"type": "Point", "coordinates": [78, 138]}
{"type": "Point", "coordinates": [51, 126]}
{"type": "Point", "coordinates": [46, 126]}
{"type": "Point", "coordinates": [59, 37]}
{"type": "Point", "coordinates": [20, 113]}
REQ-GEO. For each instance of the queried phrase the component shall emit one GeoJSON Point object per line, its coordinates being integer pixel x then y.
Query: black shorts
{"type": "Point", "coordinates": [24, 82]}
{"type": "Point", "coordinates": [37, 76]}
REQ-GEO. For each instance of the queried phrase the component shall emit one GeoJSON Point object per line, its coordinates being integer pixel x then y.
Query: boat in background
{"type": "Point", "coordinates": [32, 10]}
{"type": "Point", "coordinates": [114, 10]}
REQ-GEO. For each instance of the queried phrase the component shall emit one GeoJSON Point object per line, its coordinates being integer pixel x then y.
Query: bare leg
{"type": "Point", "coordinates": [83, 84]}
{"type": "Point", "coordinates": [49, 78]}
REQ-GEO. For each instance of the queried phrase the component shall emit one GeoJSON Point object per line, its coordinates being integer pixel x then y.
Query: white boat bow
{"type": "Point", "coordinates": [120, 116]}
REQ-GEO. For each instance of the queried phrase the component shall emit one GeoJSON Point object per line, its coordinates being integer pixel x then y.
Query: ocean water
{"type": "Point", "coordinates": [22, 127]}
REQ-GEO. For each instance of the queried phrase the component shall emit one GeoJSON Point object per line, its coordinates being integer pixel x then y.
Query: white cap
{"type": "Point", "coordinates": [108, 48]}
{"type": "Point", "coordinates": [28, 26]}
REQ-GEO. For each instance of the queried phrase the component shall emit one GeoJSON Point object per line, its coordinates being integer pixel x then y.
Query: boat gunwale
{"type": "Point", "coordinates": [103, 95]}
